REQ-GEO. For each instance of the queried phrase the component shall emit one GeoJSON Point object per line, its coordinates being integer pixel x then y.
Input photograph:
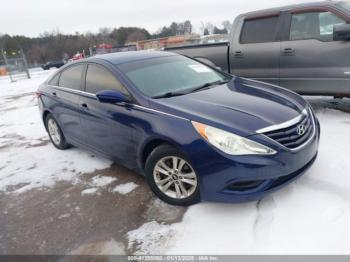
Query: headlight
{"type": "Point", "coordinates": [230, 143]}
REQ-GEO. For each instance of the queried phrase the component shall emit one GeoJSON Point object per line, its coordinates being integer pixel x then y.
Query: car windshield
{"type": "Point", "coordinates": [170, 76]}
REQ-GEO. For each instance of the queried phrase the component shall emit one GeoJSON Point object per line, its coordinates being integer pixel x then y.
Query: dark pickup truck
{"type": "Point", "coordinates": [302, 47]}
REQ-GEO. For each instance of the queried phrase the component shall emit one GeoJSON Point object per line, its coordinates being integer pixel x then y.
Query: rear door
{"type": "Point", "coordinates": [256, 49]}
{"type": "Point", "coordinates": [311, 62]}
{"type": "Point", "coordinates": [108, 126]}
{"type": "Point", "coordinates": [67, 109]}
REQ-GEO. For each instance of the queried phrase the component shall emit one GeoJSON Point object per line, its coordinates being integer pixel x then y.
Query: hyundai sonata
{"type": "Point", "coordinates": [195, 132]}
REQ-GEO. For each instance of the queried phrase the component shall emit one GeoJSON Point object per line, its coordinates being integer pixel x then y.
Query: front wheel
{"type": "Point", "coordinates": [171, 176]}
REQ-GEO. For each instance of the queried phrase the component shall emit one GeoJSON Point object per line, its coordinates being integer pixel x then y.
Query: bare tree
{"type": "Point", "coordinates": [38, 54]}
{"type": "Point", "coordinates": [187, 27]}
{"type": "Point", "coordinates": [2, 41]}
{"type": "Point", "coordinates": [202, 27]}
{"type": "Point", "coordinates": [210, 27]}
{"type": "Point", "coordinates": [136, 36]}
{"type": "Point", "coordinates": [207, 28]}
{"type": "Point", "coordinates": [227, 25]}
{"type": "Point", "coordinates": [105, 33]}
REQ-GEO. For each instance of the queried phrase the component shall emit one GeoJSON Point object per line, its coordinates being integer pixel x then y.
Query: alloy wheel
{"type": "Point", "coordinates": [54, 131]}
{"type": "Point", "coordinates": [175, 177]}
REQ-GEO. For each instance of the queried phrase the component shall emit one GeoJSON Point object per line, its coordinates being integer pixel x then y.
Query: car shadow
{"type": "Point", "coordinates": [321, 103]}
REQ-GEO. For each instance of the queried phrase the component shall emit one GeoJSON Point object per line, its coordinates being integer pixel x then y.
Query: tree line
{"type": "Point", "coordinates": [56, 45]}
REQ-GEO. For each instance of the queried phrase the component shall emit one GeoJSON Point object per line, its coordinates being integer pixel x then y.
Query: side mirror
{"type": "Point", "coordinates": [341, 32]}
{"type": "Point", "coordinates": [111, 96]}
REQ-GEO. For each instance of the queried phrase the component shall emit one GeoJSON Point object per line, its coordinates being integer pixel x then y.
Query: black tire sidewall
{"type": "Point", "coordinates": [63, 144]}
{"type": "Point", "coordinates": [157, 154]}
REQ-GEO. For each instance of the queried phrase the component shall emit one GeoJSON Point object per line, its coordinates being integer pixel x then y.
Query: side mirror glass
{"type": "Point", "coordinates": [341, 32]}
{"type": "Point", "coordinates": [111, 96]}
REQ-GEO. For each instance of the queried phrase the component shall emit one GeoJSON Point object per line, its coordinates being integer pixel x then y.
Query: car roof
{"type": "Point", "coordinates": [130, 56]}
{"type": "Point", "coordinates": [289, 7]}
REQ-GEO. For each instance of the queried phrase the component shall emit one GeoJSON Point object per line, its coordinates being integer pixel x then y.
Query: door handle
{"type": "Point", "coordinates": [238, 54]}
{"type": "Point", "coordinates": [84, 106]}
{"type": "Point", "coordinates": [288, 51]}
{"type": "Point", "coordinates": [54, 94]}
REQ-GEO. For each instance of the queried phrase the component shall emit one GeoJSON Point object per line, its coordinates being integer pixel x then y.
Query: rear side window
{"type": "Point", "coordinates": [259, 30]}
{"type": "Point", "coordinates": [99, 78]}
{"type": "Point", "coordinates": [54, 80]}
{"type": "Point", "coordinates": [71, 77]}
{"type": "Point", "coordinates": [314, 25]}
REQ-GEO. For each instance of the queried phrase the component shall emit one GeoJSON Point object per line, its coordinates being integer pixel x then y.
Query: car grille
{"type": "Point", "coordinates": [291, 136]}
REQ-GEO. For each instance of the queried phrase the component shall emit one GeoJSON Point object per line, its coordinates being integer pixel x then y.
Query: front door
{"type": "Point", "coordinates": [311, 61]}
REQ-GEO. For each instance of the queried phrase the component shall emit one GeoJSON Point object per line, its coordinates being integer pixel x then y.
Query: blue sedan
{"type": "Point", "coordinates": [193, 131]}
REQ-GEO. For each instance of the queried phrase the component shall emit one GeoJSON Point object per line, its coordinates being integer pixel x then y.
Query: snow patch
{"type": "Point", "coordinates": [27, 159]}
{"type": "Point", "coordinates": [125, 188]}
{"type": "Point", "coordinates": [64, 216]}
{"type": "Point", "coordinates": [150, 238]}
{"type": "Point", "coordinates": [89, 191]}
{"type": "Point", "coordinates": [102, 181]}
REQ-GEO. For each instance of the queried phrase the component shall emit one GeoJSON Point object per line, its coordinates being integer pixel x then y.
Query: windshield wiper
{"type": "Point", "coordinates": [169, 94]}
{"type": "Point", "coordinates": [180, 93]}
{"type": "Point", "coordinates": [206, 85]}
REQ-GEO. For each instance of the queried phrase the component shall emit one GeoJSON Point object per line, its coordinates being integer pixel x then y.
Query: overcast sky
{"type": "Point", "coordinates": [32, 17]}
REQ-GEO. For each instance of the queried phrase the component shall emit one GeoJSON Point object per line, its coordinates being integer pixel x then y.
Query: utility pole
{"type": "Point", "coordinates": [25, 63]}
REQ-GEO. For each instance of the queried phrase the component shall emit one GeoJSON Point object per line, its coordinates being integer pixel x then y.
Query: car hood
{"type": "Point", "coordinates": [242, 106]}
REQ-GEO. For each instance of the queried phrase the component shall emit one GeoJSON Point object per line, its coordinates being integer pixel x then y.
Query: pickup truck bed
{"type": "Point", "coordinates": [215, 54]}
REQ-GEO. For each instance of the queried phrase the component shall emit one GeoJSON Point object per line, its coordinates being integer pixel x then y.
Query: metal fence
{"type": "Point", "coordinates": [15, 65]}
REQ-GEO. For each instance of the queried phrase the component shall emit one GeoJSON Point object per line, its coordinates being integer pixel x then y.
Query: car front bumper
{"type": "Point", "coordinates": [226, 178]}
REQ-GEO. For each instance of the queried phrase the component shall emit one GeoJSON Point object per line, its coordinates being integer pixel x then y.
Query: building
{"type": "Point", "coordinates": [108, 48]}
{"type": "Point", "coordinates": [159, 43]}
{"type": "Point", "coordinates": [3, 71]}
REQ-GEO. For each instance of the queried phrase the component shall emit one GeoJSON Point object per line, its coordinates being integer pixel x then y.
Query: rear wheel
{"type": "Point", "coordinates": [55, 133]}
{"type": "Point", "coordinates": [171, 176]}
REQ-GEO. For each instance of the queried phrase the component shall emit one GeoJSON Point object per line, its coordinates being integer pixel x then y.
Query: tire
{"type": "Point", "coordinates": [176, 186]}
{"type": "Point", "coordinates": [55, 133]}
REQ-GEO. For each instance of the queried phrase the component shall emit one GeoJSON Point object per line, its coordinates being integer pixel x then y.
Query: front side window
{"type": "Point", "coordinates": [99, 78]}
{"type": "Point", "coordinates": [173, 74]}
{"type": "Point", "coordinates": [71, 77]}
{"type": "Point", "coordinates": [259, 30]}
{"type": "Point", "coordinates": [314, 25]}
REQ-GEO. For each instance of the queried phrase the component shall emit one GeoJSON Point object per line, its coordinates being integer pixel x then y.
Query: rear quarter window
{"type": "Point", "coordinates": [54, 80]}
